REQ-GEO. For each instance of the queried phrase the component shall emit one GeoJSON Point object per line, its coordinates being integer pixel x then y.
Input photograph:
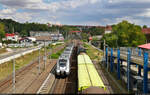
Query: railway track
{"type": "Point", "coordinates": [47, 84]}
{"type": "Point", "coordinates": [38, 84]}
{"type": "Point", "coordinates": [105, 81]}
{"type": "Point", "coordinates": [4, 84]}
{"type": "Point", "coordinates": [67, 85]}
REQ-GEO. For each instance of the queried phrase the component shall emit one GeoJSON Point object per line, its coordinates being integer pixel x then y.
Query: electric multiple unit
{"type": "Point", "coordinates": [64, 61]}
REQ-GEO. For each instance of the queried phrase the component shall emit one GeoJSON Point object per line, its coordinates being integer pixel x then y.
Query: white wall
{"type": "Point", "coordinates": [107, 31]}
{"type": "Point", "coordinates": [17, 55]}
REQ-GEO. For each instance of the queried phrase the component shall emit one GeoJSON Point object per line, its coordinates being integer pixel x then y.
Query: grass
{"type": "Point", "coordinates": [3, 50]}
{"type": "Point", "coordinates": [7, 68]}
{"type": "Point", "coordinates": [97, 55]}
{"type": "Point", "coordinates": [53, 46]}
{"type": "Point", "coordinates": [57, 54]}
{"type": "Point", "coordinates": [93, 53]}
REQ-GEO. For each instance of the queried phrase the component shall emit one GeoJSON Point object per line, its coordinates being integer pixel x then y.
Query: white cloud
{"type": "Point", "coordinates": [145, 13]}
{"type": "Point", "coordinates": [94, 1]}
{"type": "Point", "coordinates": [7, 11]}
{"type": "Point", "coordinates": [118, 1]}
{"type": "Point", "coordinates": [128, 18]}
{"type": "Point", "coordinates": [22, 17]}
{"type": "Point", "coordinates": [91, 12]}
{"type": "Point", "coordinates": [39, 4]}
{"type": "Point", "coordinates": [12, 14]}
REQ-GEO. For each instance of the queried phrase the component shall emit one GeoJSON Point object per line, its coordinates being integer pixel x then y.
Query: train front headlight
{"type": "Point", "coordinates": [58, 70]}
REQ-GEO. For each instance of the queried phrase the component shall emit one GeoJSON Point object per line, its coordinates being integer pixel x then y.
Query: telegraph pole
{"type": "Point", "coordinates": [39, 61]}
{"type": "Point", "coordinates": [50, 53]}
{"type": "Point", "coordinates": [44, 55]}
{"type": "Point", "coordinates": [104, 48]}
{"type": "Point", "coordinates": [14, 76]}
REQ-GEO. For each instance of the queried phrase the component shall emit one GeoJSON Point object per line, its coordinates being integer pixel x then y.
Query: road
{"type": "Point", "coordinates": [17, 53]}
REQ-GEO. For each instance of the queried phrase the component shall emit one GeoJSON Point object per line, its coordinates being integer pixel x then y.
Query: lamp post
{"type": "Point", "coordinates": [39, 60]}
{"type": "Point", "coordinates": [14, 76]}
{"type": "Point", "coordinates": [44, 55]}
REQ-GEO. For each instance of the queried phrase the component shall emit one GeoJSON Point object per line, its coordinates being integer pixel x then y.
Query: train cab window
{"type": "Point", "coordinates": [67, 49]}
{"type": "Point", "coordinates": [62, 62]}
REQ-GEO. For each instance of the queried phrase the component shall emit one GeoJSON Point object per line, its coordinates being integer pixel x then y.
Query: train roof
{"type": "Point", "coordinates": [67, 52]}
{"type": "Point", "coordinates": [87, 74]}
{"type": "Point", "coordinates": [64, 56]}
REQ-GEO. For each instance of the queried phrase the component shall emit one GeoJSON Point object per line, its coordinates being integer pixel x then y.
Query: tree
{"type": "Point", "coordinates": [24, 33]}
{"type": "Point", "coordinates": [96, 31]}
{"type": "Point", "coordinates": [84, 36]}
{"type": "Point", "coordinates": [2, 32]}
{"type": "Point", "coordinates": [144, 26]}
{"type": "Point", "coordinates": [125, 34]}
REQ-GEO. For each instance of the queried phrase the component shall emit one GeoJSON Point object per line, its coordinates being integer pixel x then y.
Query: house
{"type": "Point", "coordinates": [25, 40]}
{"type": "Point", "coordinates": [146, 31]}
{"type": "Point", "coordinates": [55, 36]}
{"type": "Point", "coordinates": [40, 33]}
{"type": "Point", "coordinates": [11, 36]}
{"type": "Point", "coordinates": [144, 47]}
{"type": "Point", "coordinates": [77, 32]}
{"type": "Point", "coordinates": [108, 29]}
{"type": "Point", "coordinates": [42, 39]}
{"type": "Point", "coordinates": [32, 39]}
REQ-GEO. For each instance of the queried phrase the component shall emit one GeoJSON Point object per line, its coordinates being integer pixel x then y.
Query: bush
{"type": "Point", "coordinates": [54, 56]}
{"type": "Point", "coordinates": [9, 42]}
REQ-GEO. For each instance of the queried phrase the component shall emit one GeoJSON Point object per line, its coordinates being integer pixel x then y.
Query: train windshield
{"type": "Point", "coordinates": [62, 62]}
{"type": "Point", "coordinates": [67, 49]}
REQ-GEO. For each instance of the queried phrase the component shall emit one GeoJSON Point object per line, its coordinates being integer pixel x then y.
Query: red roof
{"type": "Point", "coordinates": [145, 46]}
{"type": "Point", "coordinates": [108, 28]}
{"type": "Point", "coordinates": [146, 30]}
{"type": "Point", "coordinates": [9, 34]}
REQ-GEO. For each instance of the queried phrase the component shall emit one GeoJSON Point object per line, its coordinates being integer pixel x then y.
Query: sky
{"type": "Point", "coordinates": [77, 12]}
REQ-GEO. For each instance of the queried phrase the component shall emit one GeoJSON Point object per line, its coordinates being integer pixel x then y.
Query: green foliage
{"type": "Point", "coordinates": [23, 33]}
{"type": "Point", "coordinates": [94, 31]}
{"type": "Point", "coordinates": [125, 34]}
{"type": "Point", "coordinates": [56, 55]}
{"type": "Point", "coordinates": [66, 29]}
{"type": "Point", "coordinates": [95, 41]}
{"type": "Point", "coordinates": [9, 42]}
{"type": "Point", "coordinates": [2, 32]}
{"type": "Point", "coordinates": [85, 36]}
{"type": "Point", "coordinates": [144, 26]}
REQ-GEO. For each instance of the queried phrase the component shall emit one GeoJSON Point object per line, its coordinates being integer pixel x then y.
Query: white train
{"type": "Point", "coordinates": [64, 61]}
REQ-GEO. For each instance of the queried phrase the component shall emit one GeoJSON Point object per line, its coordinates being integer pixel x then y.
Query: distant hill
{"type": "Point", "coordinates": [24, 28]}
